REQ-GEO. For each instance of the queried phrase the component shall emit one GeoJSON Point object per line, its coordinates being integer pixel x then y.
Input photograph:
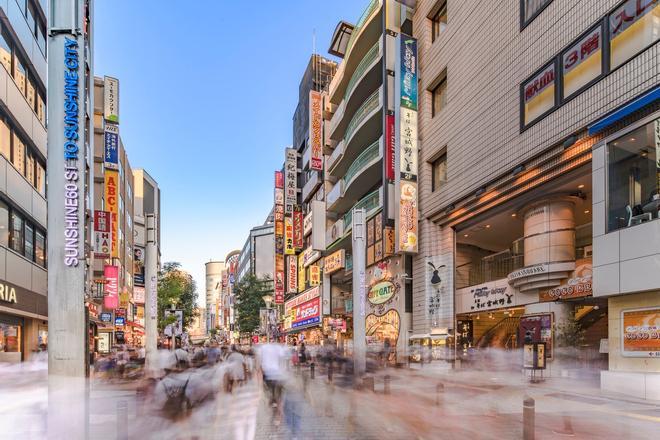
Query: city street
{"type": "Point", "coordinates": [469, 404]}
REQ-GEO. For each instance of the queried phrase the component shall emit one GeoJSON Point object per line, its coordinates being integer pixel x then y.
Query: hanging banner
{"type": "Point", "coordinates": [111, 146]}
{"type": "Point", "coordinates": [290, 180]}
{"type": "Point", "coordinates": [111, 99]}
{"type": "Point", "coordinates": [316, 129]}
{"type": "Point", "coordinates": [297, 229]}
{"type": "Point", "coordinates": [292, 274]}
{"type": "Point", "coordinates": [111, 299]}
{"type": "Point", "coordinates": [288, 236]}
{"type": "Point", "coordinates": [279, 179]}
{"type": "Point", "coordinates": [406, 154]}
{"type": "Point", "coordinates": [102, 234]}
{"type": "Point", "coordinates": [112, 206]}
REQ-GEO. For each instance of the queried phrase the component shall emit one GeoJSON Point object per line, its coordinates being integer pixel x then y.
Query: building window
{"type": "Point", "coordinates": [538, 94]}
{"type": "Point", "coordinates": [633, 177]}
{"type": "Point", "coordinates": [438, 172]}
{"type": "Point", "coordinates": [29, 241]}
{"type": "Point", "coordinates": [40, 248]}
{"type": "Point", "coordinates": [5, 52]}
{"type": "Point", "coordinates": [16, 236]}
{"type": "Point", "coordinates": [40, 179]}
{"type": "Point", "coordinates": [530, 9]}
{"type": "Point", "coordinates": [634, 26]}
{"type": "Point", "coordinates": [438, 21]}
{"type": "Point", "coordinates": [5, 140]}
{"type": "Point", "coordinates": [4, 224]}
{"type": "Point", "coordinates": [439, 96]}
{"type": "Point", "coordinates": [20, 75]}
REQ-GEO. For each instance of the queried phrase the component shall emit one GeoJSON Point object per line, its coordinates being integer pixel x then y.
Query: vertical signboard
{"type": "Point", "coordinates": [138, 266]}
{"type": "Point", "coordinates": [390, 145]}
{"type": "Point", "coordinates": [288, 235]}
{"type": "Point", "coordinates": [279, 279]}
{"type": "Point", "coordinates": [112, 206]}
{"type": "Point", "coordinates": [279, 188]}
{"type": "Point", "coordinates": [290, 180]}
{"type": "Point", "coordinates": [316, 130]}
{"type": "Point", "coordinates": [297, 229]}
{"type": "Point", "coordinates": [102, 234]}
{"type": "Point", "coordinates": [111, 146]}
{"type": "Point", "coordinates": [292, 274]}
{"type": "Point", "coordinates": [111, 274]}
{"type": "Point", "coordinates": [301, 273]}
{"type": "Point", "coordinates": [406, 206]}
{"type": "Point", "coordinates": [278, 273]}
{"type": "Point", "coordinates": [111, 99]}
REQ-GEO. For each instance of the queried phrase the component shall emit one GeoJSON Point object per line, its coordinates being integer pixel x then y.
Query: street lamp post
{"type": "Point", "coordinates": [268, 299]}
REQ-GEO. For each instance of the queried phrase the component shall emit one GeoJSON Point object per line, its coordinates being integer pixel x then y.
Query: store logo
{"type": "Point", "coordinates": [381, 292]}
{"type": "Point", "coordinates": [7, 294]}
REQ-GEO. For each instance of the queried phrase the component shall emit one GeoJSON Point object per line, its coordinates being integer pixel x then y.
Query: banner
{"type": "Point", "coordinates": [292, 274]}
{"type": "Point", "coordinates": [102, 234]}
{"type": "Point", "coordinates": [111, 146]}
{"type": "Point", "coordinates": [111, 299]}
{"type": "Point", "coordinates": [297, 229]}
{"type": "Point", "coordinates": [112, 206]}
{"type": "Point", "coordinates": [316, 130]}
{"type": "Point", "coordinates": [111, 99]}
{"type": "Point", "coordinates": [640, 330]}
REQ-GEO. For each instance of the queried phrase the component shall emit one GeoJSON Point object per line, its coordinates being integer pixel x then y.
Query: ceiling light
{"type": "Point", "coordinates": [465, 235]}
{"type": "Point", "coordinates": [487, 226]}
{"type": "Point", "coordinates": [581, 186]}
{"type": "Point", "coordinates": [513, 215]}
{"type": "Point", "coordinates": [632, 139]}
{"type": "Point", "coordinates": [586, 211]}
{"type": "Point", "coordinates": [519, 169]}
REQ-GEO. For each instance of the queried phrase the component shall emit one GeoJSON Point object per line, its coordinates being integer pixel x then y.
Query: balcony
{"type": "Point", "coordinates": [366, 78]}
{"type": "Point", "coordinates": [372, 202]}
{"type": "Point", "coordinates": [336, 154]}
{"type": "Point", "coordinates": [363, 129]}
{"type": "Point", "coordinates": [366, 32]}
{"type": "Point", "coordinates": [312, 185]}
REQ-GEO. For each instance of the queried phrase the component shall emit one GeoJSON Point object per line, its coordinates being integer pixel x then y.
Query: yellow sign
{"type": "Point", "coordinates": [111, 194]}
{"type": "Point", "coordinates": [334, 262]}
{"type": "Point", "coordinates": [301, 273]}
{"type": "Point", "coordinates": [314, 275]}
{"type": "Point", "coordinates": [123, 299]}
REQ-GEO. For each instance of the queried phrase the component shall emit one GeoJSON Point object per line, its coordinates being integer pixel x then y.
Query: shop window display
{"type": "Point", "coordinates": [633, 177]}
{"type": "Point", "coordinates": [10, 338]}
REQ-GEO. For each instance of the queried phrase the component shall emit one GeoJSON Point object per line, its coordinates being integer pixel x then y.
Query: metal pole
{"type": "Point", "coordinates": [359, 306]}
{"type": "Point", "coordinates": [151, 300]}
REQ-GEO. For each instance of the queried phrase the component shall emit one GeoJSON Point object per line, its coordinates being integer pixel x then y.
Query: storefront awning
{"type": "Point", "coordinates": [640, 102]}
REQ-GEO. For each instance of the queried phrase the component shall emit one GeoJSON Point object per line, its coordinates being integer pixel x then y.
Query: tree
{"type": "Point", "coordinates": [177, 288]}
{"type": "Point", "coordinates": [248, 292]}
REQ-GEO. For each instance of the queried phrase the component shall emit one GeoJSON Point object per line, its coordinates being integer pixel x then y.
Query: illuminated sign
{"type": "Point", "coordinates": [381, 292]}
{"type": "Point", "coordinates": [290, 180]}
{"type": "Point", "coordinates": [112, 206]}
{"type": "Point", "coordinates": [297, 229]}
{"type": "Point", "coordinates": [539, 93]}
{"type": "Point", "coordinates": [316, 129]}
{"type": "Point", "coordinates": [111, 146]}
{"type": "Point", "coordinates": [292, 274]}
{"type": "Point", "coordinates": [111, 274]}
{"type": "Point", "coordinates": [582, 62]}
{"type": "Point", "coordinates": [288, 236]}
{"type": "Point", "coordinates": [102, 234]}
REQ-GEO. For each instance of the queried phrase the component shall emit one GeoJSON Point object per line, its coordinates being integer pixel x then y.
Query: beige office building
{"type": "Point", "coordinates": [538, 177]}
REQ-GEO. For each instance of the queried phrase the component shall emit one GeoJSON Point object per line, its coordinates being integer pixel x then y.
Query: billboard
{"type": "Point", "coordinates": [112, 205]}
{"type": "Point", "coordinates": [316, 129]}
{"type": "Point", "coordinates": [406, 154]}
{"type": "Point", "coordinates": [111, 99]}
{"type": "Point", "coordinates": [102, 234]}
{"type": "Point", "coordinates": [138, 266]}
{"type": "Point", "coordinates": [640, 332]}
{"type": "Point", "coordinates": [111, 299]}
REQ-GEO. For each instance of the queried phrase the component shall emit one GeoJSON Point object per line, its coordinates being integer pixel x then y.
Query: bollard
{"type": "Point", "coordinates": [122, 420]}
{"type": "Point", "coordinates": [311, 370]}
{"type": "Point", "coordinates": [528, 418]}
{"type": "Point", "coordinates": [439, 389]}
{"type": "Point", "coordinates": [386, 384]}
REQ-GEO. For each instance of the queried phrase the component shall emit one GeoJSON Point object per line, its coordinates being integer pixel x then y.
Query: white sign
{"type": "Point", "coordinates": [111, 99]}
{"type": "Point", "coordinates": [290, 180]}
{"type": "Point", "coordinates": [312, 293]}
{"type": "Point", "coordinates": [308, 223]}
{"type": "Point", "coordinates": [309, 256]}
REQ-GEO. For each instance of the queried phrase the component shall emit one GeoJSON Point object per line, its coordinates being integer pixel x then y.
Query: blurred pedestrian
{"type": "Point", "coordinates": [271, 359]}
{"type": "Point", "coordinates": [236, 372]}
{"type": "Point", "coordinates": [302, 354]}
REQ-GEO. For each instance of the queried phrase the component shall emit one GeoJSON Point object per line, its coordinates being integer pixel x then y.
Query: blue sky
{"type": "Point", "coordinates": [207, 95]}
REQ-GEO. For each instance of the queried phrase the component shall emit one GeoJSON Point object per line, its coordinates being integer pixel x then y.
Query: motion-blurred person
{"type": "Point", "coordinates": [271, 359]}
{"type": "Point", "coordinates": [236, 372]}
{"type": "Point", "coordinates": [213, 354]}
{"type": "Point", "coordinates": [302, 354]}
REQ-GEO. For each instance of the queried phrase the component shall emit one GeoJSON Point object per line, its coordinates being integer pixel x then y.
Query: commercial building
{"type": "Point", "coordinates": [23, 155]}
{"type": "Point", "coordinates": [538, 178]}
{"type": "Point", "coordinates": [112, 309]}
{"type": "Point", "coordinates": [214, 271]}
{"type": "Point", "coordinates": [225, 304]}
{"type": "Point", "coordinates": [257, 257]}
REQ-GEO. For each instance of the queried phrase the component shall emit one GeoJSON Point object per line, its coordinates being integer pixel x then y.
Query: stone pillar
{"type": "Point", "coordinates": [549, 231]}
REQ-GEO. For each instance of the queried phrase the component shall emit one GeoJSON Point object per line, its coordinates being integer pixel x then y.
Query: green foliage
{"type": "Point", "coordinates": [248, 293]}
{"type": "Point", "coordinates": [175, 287]}
{"type": "Point", "coordinates": [569, 333]}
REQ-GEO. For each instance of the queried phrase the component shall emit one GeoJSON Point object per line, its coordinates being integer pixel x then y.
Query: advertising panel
{"type": "Point", "coordinates": [539, 94]}
{"type": "Point", "coordinates": [138, 295]}
{"type": "Point", "coordinates": [111, 146]}
{"type": "Point", "coordinates": [279, 237]}
{"type": "Point", "coordinates": [334, 262]}
{"type": "Point", "coordinates": [138, 266]}
{"type": "Point", "coordinates": [308, 313]}
{"type": "Point", "coordinates": [310, 256]}
{"type": "Point", "coordinates": [103, 344]}
{"type": "Point", "coordinates": [535, 329]}
{"type": "Point", "coordinates": [112, 206]}
{"type": "Point", "coordinates": [111, 99]}
{"type": "Point", "coordinates": [316, 130]}
{"type": "Point", "coordinates": [123, 299]}
{"type": "Point", "coordinates": [279, 179]}
{"type": "Point", "coordinates": [301, 273]}
{"type": "Point", "coordinates": [297, 229]}
{"type": "Point", "coordinates": [290, 180]}
{"type": "Point", "coordinates": [314, 292]}
{"type": "Point", "coordinates": [292, 274]}
{"type": "Point", "coordinates": [583, 62]}
{"type": "Point", "coordinates": [390, 145]}
{"type": "Point", "coordinates": [406, 149]}
{"type": "Point", "coordinates": [633, 27]}
{"type": "Point", "coordinates": [288, 236]}
{"type": "Point", "coordinates": [308, 223]}
{"type": "Point", "coordinates": [279, 279]}
{"type": "Point", "coordinates": [102, 234]}
{"type": "Point", "coordinates": [314, 275]}
{"type": "Point", "coordinates": [640, 330]}
{"type": "Point", "coordinates": [111, 299]}
{"type": "Point", "coordinates": [577, 286]}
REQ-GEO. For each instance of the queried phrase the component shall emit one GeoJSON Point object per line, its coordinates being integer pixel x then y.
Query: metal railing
{"type": "Point", "coordinates": [367, 156]}
{"type": "Point", "coordinates": [491, 268]}
{"type": "Point", "coordinates": [370, 202]}
{"type": "Point", "coordinates": [367, 107]}
{"type": "Point", "coordinates": [369, 58]}
{"type": "Point", "coordinates": [371, 7]}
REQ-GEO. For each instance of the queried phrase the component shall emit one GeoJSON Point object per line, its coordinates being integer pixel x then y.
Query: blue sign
{"type": "Point", "coordinates": [106, 317]}
{"type": "Point", "coordinates": [306, 322]}
{"type": "Point", "coordinates": [408, 72]}
{"type": "Point", "coordinates": [120, 321]}
{"type": "Point", "coordinates": [111, 146]}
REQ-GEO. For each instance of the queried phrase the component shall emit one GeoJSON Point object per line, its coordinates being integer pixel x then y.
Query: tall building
{"type": "Point", "coordinates": [23, 153]}
{"type": "Point", "coordinates": [257, 257]}
{"type": "Point", "coordinates": [113, 202]}
{"type": "Point", "coordinates": [538, 178]}
{"type": "Point", "coordinates": [214, 271]}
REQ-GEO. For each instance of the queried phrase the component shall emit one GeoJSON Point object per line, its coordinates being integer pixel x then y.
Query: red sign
{"type": "Point", "coordinates": [279, 179]}
{"type": "Point", "coordinates": [389, 150]}
{"type": "Point", "coordinates": [307, 313]}
{"type": "Point", "coordinates": [316, 129]}
{"type": "Point", "coordinates": [111, 300]}
{"type": "Point", "coordinates": [297, 229]}
{"type": "Point", "coordinates": [102, 234]}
